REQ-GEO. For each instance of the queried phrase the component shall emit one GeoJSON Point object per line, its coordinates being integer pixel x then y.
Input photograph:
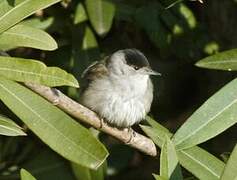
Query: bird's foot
{"type": "Point", "coordinates": [102, 122]}
{"type": "Point", "coordinates": [131, 133]}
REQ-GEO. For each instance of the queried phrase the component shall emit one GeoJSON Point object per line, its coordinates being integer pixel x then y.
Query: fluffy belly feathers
{"type": "Point", "coordinates": [120, 107]}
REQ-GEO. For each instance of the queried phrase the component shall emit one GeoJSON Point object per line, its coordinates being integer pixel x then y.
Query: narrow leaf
{"type": "Point", "coordinates": [157, 136]}
{"type": "Point", "coordinates": [230, 171]}
{"type": "Point", "coordinates": [6, 5]}
{"type": "Point", "coordinates": [22, 10]}
{"type": "Point", "coordinates": [157, 177]}
{"type": "Point", "coordinates": [81, 172]}
{"type": "Point", "coordinates": [25, 36]}
{"type": "Point", "coordinates": [226, 60]}
{"type": "Point", "coordinates": [25, 175]}
{"type": "Point", "coordinates": [157, 126]}
{"type": "Point", "coordinates": [9, 127]}
{"type": "Point", "coordinates": [156, 132]}
{"type": "Point", "coordinates": [89, 174]}
{"type": "Point", "coordinates": [28, 70]}
{"type": "Point", "coordinates": [101, 14]}
{"type": "Point", "coordinates": [201, 163]}
{"type": "Point", "coordinates": [53, 126]}
{"type": "Point", "coordinates": [196, 160]}
{"type": "Point", "coordinates": [216, 115]}
{"type": "Point", "coordinates": [169, 167]}
{"type": "Point", "coordinates": [38, 22]}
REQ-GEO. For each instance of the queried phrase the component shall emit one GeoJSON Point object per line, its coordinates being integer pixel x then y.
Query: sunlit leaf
{"type": "Point", "coordinates": [226, 60]}
{"type": "Point", "coordinates": [25, 175]}
{"type": "Point", "coordinates": [38, 22]}
{"type": "Point", "coordinates": [216, 115]}
{"type": "Point", "coordinates": [26, 70]}
{"type": "Point", "coordinates": [230, 171]}
{"type": "Point", "coordinates": [21, 10]}
{"type": "Point", "coordinates": [80, 14]}
{"type": "Point", "coordinates": [169, 164]}
{"type": "Point", "coordinates": [6, 5]}
{"type": "Point", "coordinates": [101, 14]}
{"type": "Point", "coordinates": [25, 36]}
{"type": "Point", "coordinates": [54, 127]}
{"type": "Point", "coordinates": [9, 127]}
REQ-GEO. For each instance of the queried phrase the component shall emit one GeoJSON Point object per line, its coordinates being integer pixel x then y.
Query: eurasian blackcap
{"type": "Point", "coordinates": [119, 88]}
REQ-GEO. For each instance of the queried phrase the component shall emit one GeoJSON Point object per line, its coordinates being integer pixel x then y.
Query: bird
{"type": "Point", "coordinates": [119, 88]}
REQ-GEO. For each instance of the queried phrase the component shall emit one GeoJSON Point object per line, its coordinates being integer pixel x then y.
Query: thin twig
{"type": "Point", "coordinates": [82, 113]}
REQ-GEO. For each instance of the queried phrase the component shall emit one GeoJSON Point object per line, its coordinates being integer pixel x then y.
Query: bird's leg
{"type": "Point", "coordinates": [102, 122]}
{"type": "Point", "coordinates": [131, 133]}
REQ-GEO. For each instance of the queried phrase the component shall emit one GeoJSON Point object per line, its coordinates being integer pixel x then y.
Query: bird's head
{"type": "Point", "coordinates": [129, 62]}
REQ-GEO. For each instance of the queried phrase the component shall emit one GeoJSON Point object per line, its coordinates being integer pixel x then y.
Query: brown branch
{"type": "Point", "coordinates": [82, 113]}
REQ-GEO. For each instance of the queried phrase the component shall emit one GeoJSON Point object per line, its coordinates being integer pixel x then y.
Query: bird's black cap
{"type": "Point", "coordinates": [136, 58]}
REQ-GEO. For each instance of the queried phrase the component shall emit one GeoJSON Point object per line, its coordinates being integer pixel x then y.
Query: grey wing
{"type": "Point", "coordinates": [94, 71]}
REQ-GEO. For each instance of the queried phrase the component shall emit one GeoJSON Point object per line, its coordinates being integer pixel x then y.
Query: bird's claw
{"type": "Point", "coordinates": [131, 133]}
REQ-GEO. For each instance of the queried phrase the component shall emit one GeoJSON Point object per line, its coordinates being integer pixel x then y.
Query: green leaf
{"type": "Point", "coordinates": [25, 36]}
{"type": "Point", "coordinates": [80, 14]}
{"type": "Point", "coordinates": [9, 127]}
{"type": "Point", "coordinates": [26, 70]}
{"type": "Point", "coordinates": [54, 127]}
{"type": "Point", "coordinates": [25, 175]}
{"type": "Point", "coordinates": [101, 14]}
{"type": "Point", "coordinates": [157, 177]}
{"type": "Point", "coordinates": [89, 174]}
{"type": "Point", "coordinates": [6, 5]}
{"type": "Point", "coordinates": [157, 126]}
{"type": "Point", "coordinates": [38, 22]}
{"type": "Point", "coordinates": [196, 160]}
{"type": "Point", "coordinates": [169, 167]}
{"type": "Point", "coordinates": [201, 163]}
{"type": "Point", "coordinates": [157, 132]}
{"type": "Point", "coordinates": [216, 115]}
{"type": "Point", "coordinates": [226, 60]}
{"type": "Point", "coordinates": [230, 171]}
{"type": "Point", "coordinates": [186, 14]}
{"type": "Point", "coordinates": [22, 10]}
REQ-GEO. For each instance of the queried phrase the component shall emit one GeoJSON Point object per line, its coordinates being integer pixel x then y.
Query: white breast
{"type": "Point", "coordinates": [120, 101]}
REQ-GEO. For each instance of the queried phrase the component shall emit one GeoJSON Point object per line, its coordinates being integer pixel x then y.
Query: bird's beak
{"type": "Point", "coordinates": [149, 71]}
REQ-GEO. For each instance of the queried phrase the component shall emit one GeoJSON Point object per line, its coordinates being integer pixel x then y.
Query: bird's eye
{"type": "Point", "coordinates": [136, 67]}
